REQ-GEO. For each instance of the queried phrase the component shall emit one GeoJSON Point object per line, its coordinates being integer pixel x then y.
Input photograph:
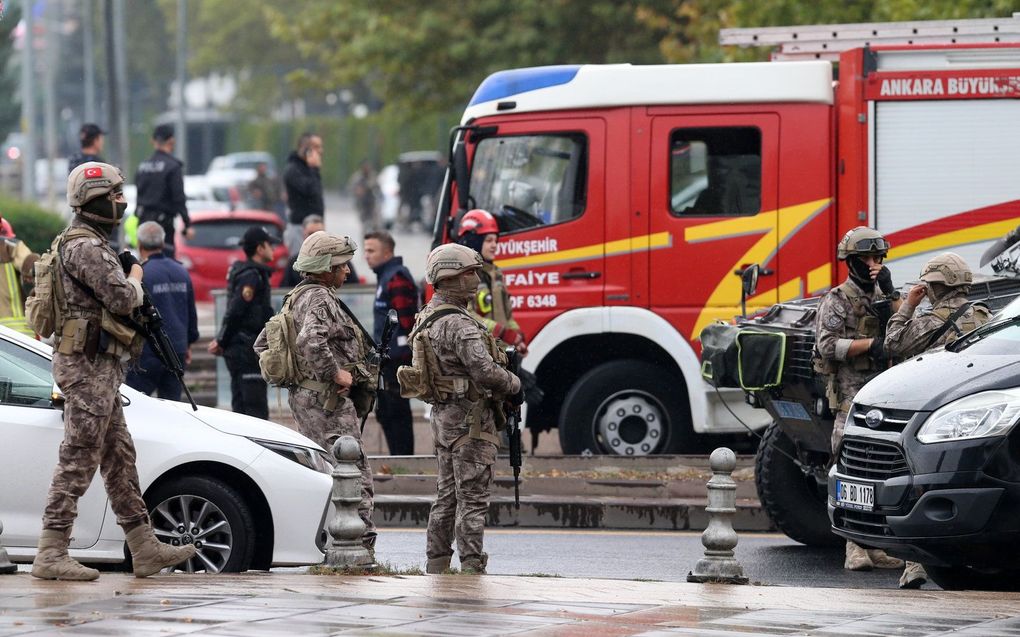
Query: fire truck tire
{"type": "Point", "coordinates": [627, 408]}
{"type": "Point", "coordinates": [794, 502]}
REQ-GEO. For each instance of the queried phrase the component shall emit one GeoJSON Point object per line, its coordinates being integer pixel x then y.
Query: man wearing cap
{"type": "Point", "coordinates": [249, 306]}
{"type": "Point", "coordinates": [331, 353]}
{"type": "Point", "coordinates": [160, 181]}
{"type": "Point", "coordinates": [91, 138]}
{"type": "Point", "coordinates": [172, 293]}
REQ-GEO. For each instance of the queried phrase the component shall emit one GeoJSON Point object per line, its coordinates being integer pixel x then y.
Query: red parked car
{"type": "Point", "coordinates": [216, 245]}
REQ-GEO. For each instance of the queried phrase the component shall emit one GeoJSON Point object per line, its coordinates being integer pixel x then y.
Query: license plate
{"type": "Point", "coordinates": [850, 495]}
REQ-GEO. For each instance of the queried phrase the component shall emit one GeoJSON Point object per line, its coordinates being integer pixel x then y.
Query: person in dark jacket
{"type": "Point", "coordinates": [303, 182]}
{"type": "Point", "coordinates": [160, 182]}
{"type": "Point", "coordinates": [249, 306]}
{"type": "Point", "coordinates": [171, 291]}
{"type": "Point", "coordinates": [91, 138]}
{"type": "Point", "coordinates": [395, 290]}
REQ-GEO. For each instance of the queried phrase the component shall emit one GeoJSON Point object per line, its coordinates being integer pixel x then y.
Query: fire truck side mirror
{"type": "Point", "coordinates": [749, 280]}
{"type": "Point", "coordinates": [460, 173]}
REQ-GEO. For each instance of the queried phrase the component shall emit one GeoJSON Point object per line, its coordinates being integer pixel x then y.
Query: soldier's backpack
{"type": "Point", "coordinates": [278, 362]}
{"type": "Point", "coordinates": [46, 303]}
{"type": "Point", "coordinates": [418, 380]}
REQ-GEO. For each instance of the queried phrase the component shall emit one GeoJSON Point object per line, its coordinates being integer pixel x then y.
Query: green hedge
{"type": "Point", "coordinates": [35, 226]}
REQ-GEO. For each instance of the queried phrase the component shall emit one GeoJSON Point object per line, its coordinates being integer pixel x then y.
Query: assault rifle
{"type": "Point", "coordinates": [513, 426]}
{"type": "Point", "coordinates": [383, 350]}
{"type": "Point", "coordinates": [151, 327]}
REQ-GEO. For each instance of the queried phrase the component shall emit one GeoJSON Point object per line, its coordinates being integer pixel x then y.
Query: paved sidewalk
{"type": "Point", "coordinates": [291, 604]}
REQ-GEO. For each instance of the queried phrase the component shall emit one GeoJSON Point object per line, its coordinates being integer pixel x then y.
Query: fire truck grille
{"type": "Point", "coordinates": [871, 460]}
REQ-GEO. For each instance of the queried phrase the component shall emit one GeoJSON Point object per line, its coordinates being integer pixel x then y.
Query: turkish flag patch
{"type": "Point", "coordinates": [93, 173]}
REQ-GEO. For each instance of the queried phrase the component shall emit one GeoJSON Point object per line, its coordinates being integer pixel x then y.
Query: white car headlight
{"type": "Point", "coordinates": [990, 413]}
{"type": "Point", "coordinates": [304, 456]}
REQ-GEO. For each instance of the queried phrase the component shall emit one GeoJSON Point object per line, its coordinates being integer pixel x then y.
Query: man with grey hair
{"type": "Point", "coordinates": [171, 291]}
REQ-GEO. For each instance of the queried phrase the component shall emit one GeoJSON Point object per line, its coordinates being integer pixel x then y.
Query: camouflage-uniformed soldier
{"type": "Point", "coordinates": [464, 419]}
{"type": "Point", "coordinates": [331, 356]}
{"type": "Point", "coordinates": [88, 365]}
{"type": "Point", "coordinates": [946, 281]}
{"type": "Point", "coordinates": [849, 352]}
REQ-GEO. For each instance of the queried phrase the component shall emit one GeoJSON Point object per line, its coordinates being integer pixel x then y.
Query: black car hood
{"type": "Point", "coordinates": [934, 379]}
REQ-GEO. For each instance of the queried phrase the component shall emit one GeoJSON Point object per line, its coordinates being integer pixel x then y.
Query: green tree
{"type": "Point", "coordinates": [431, 55]}
{"type": "Point", "coordinates": [10, 106]}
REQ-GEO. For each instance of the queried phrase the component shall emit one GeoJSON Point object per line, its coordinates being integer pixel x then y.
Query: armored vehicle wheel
{"type": "Point", "coordinates": [793, 501]}
{"type": "Point", "coordinates": [626, 408]}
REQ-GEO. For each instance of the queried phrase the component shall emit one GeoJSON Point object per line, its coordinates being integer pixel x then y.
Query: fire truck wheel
{"type": "Point", "coordinates": [626, 408]}
{"type": "Point", "coordinates": [794, 502]}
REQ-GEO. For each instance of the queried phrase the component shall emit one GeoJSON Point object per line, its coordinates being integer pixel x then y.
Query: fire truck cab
{"type": "Point", "coordinates": [630, 198]}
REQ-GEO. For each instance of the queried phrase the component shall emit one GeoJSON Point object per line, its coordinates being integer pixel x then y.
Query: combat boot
{"type": "Point", "coordinates": [914, 576]}
{"type": "Point", "coordinates": [474, 565]}
{"type": "Point", "coordinates": [857, 558]}
{"type": "Point", "coordinates": [438, 565]}
{"type": "Point", "coordinates": [880, 560]}
{"type": "Point", "coordinates": [53, 562]}
{"type": "Point", "coordinates": [149, 555]}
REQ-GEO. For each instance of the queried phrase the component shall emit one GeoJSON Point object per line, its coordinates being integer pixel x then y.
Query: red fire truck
{"type": "Point", "coordinates": [629, 196]}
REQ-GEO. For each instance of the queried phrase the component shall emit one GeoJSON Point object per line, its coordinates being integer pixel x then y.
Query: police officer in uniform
{"type": "Point", "coordinates": [945, 281]}
{"type": "Point", "coordinates": [160, 181]}
{"type": "Point", "coordinates": [849, 350]}
{"type": "Point", "coordinates": [249, 306]}
{"type": "Point", "coordinates": [88, 365]}
{"type": "Point", "coordinates": [465, 421]}
{"type": "Point", "coordinates": [331, 353]}
{"type": "Point", "coordinates": [480, 232]}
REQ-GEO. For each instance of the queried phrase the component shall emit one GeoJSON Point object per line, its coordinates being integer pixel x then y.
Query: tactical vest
{"type": "Point", "coordinates": [861, 324]}
{"type": "Point", "coordinates": [424, 379]}
{"type": "Point", "coordinates": [978, 315]}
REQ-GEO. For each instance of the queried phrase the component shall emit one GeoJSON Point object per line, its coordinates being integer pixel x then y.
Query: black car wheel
{"type": "Point", "coordinates": [627, 408]}
{"type": "Point", "coordinates": [795, 502]}
{"type": "Point", "coordinates": [208, 513]}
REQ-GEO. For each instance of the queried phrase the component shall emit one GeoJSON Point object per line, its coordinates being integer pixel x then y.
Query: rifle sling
{"type": "Point", "coordinates": [948, 325]}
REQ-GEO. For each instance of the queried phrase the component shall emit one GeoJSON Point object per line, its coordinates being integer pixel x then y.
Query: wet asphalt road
{"type": "Point", "coordinates": [666, 556]}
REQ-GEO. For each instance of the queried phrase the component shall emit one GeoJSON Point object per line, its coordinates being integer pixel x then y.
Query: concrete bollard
{"type": "Point", "coordinates": [6, 566]}
{"type": "Point", "coordinates": [345, 549]}
{"type": "Point", "coordinates": [719, 564]}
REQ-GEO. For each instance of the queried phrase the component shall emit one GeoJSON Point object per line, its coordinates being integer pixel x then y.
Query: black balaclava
{"type": "Point", "coordinates": [104, 207]}
{"type": "Point", "coordinates": [860, 273]}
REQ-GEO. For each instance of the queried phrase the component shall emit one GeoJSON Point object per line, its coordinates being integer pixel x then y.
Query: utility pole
{"type": "Point", "coordinates": [52, 30]}
{"type": "Point", "coordinates": [182, 80]}
{"type": "Point", "coordinates": [89, 54]}
{"type": "Point", "coordinates": [28, 103]}
{"type": "Point", "coordinates": [112, 102]}
{"type": "Point", "coordinates": [120, 70]}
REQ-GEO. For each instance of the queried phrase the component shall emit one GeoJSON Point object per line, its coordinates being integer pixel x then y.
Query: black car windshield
{"type": "Point", "coordinates": [1000, 336]}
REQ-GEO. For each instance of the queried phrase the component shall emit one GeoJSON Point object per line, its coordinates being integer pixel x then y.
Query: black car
{"type": "Point", "coordinates": [929, 467]}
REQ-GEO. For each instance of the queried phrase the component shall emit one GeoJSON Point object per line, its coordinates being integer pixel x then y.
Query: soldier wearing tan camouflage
{"type": "Point", "coordinates": [849, 350]}
{"type": "Point", "coordinates": [465, 421]}
{"type": "Point", "coordinates": [88, 365]}
{"type": "Point", "coordinates": [331, 356]}
{"type": "Point", "coordinates": [945, 280]}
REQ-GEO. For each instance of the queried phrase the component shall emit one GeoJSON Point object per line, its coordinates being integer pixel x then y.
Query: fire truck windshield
{"type": "Point", "coordinates": [530, 180]}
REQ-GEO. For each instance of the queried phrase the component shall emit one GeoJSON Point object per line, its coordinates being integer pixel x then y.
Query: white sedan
{"type": "Point", "coordinates": [248, 493]}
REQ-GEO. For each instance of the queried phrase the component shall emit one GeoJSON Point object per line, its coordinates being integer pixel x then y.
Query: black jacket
{"type": "Point", "coordinates": [80, 158]}
{"type": "Point", "coordinates": [304, 189]}
{"type": "Point", "coordinates": [249, 303]}
{"type": "Point", "coordinates": [160, 181]}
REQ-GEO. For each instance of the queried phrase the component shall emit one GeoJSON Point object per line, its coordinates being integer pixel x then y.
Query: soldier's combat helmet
{"type": "Point", "coordinates": [948, 269]}
{"type": "Point", "coordinates": [321, 251]}
{"type": "Point", "coordinates": [862, 240]}
{"type": "Point", "coordinates": [92, 192]}
{"type": "Point", "coordinates": [449, 260]}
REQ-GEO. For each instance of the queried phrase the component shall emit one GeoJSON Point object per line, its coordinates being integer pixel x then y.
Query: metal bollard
{"type": "Point", "coordinates": [719, 565]}
{"type": "Point", "coordinates": [345, 550]}
{"type": "Point", "coordinates": [6, 566]}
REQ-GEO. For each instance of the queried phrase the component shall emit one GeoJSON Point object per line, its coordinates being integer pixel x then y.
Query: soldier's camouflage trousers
{"type": "Point", "coordinates": [462, 500]}
{"type": "Point", "coordinates": [837, 432]}
{"type": "Point", "coordinates": [324, 428]}
{"type": "Point", "coordinates": [95, 436]}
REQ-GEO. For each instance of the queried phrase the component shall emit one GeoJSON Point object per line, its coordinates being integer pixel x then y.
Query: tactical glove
{"type": "Point", "coordinates": [127, 260]}
{"type": "Point", "coordinates": [518, 398]}
{"type": "Point", "coordinates": [877, 349]}
{"type": "Point", "coordinates": [884, 281]}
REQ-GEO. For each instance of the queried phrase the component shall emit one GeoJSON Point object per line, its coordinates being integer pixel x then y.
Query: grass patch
{"type": "Point", "coordinates": [553, 575]}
